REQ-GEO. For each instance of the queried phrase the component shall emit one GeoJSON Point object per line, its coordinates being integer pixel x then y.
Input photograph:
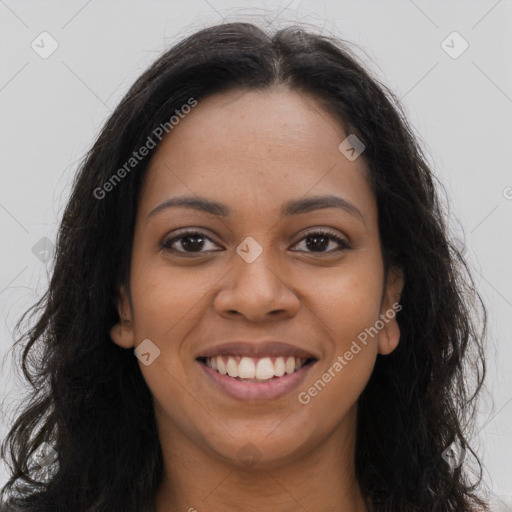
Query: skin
{"type": "Point", "coordinates": [254, 151]}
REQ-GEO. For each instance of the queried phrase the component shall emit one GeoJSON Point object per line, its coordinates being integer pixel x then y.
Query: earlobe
{"type": "Point", "coordinates": [122, 332]}
{"type": "Point", "coordinates": [389, 335]}
{"type": "Point", "coordinates": [122, 335]}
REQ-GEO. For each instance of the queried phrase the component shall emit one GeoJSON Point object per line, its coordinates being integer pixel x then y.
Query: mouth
{"type": "Point", "coordinates": [253, 379]}
{"type": "Point", "coordinates": [252, 369]}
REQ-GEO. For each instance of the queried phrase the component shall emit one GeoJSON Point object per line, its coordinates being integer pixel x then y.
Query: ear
{"type": "Point", "coordinates": [389, 335]}
{"type": "Point", "coordinates": [122, 332]}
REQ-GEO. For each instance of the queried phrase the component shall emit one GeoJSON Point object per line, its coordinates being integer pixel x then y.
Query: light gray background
{"type": "Point", "coordinates": [461, 109]}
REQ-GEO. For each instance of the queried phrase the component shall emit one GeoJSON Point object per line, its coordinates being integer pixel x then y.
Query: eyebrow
{"type": "Point", "coordinates": [294, 207]}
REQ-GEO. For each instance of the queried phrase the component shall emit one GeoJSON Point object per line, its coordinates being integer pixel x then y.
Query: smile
{"type": "Point", "coordinates": [249, 378]}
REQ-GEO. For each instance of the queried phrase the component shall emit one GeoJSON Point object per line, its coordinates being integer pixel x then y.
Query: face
{"type": "Point", "coordinates": [271, 262]}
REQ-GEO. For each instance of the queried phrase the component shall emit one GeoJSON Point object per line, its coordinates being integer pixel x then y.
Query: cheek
{"type": "Point", "coordinates": [165, 309]}
{"type": "Point", "coordinates": [346, 300]}
{"type": "Point", "coordinates": [168, 306]}
{"type": "Point", "coordinates": [346, 303]}
{"type": "Point", "coordinates": [351, 353]}
{"type": "Point", "coordinates": [167, 299]}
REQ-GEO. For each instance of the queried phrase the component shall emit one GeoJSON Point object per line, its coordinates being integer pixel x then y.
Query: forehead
{"type": "Point", "coordinates": [255, 148]}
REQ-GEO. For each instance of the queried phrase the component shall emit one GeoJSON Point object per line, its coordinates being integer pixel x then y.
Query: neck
{"type": "Point", "coordinates": [322, 479]}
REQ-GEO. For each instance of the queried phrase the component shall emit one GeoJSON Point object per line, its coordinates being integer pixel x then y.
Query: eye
{"type": "Point", "coordinates": [317, 241]}
{"type": "Point", "coordinates": [189, 242]}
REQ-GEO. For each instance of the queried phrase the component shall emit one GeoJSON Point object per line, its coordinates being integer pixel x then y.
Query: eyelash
{"type": "Point", "coordinates": [166, 244]}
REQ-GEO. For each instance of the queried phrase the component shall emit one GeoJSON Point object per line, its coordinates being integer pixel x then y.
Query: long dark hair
{"type": "Point", "coordinates": [88, 398]}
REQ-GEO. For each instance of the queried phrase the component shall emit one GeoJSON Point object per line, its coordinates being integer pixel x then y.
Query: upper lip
{"type": "Point", "coordinates": [256, 349]}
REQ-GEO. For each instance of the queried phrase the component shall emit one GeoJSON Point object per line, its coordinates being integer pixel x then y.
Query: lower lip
{"type": "Point", "coordinates": [256, 391]}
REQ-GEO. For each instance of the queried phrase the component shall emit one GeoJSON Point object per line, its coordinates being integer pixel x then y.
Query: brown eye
{"type": "Point", "coordinates": [192, 243]}
{"type": "Point", "coordinates": [319, 241]}
{"type": "Point", "coordinates": [187, 242]}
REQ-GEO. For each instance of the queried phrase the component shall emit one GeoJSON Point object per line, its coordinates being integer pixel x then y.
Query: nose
{"type": "Point", "coordinates": [257, 292]}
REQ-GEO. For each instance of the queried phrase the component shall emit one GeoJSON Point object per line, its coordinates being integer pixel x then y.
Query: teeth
{"type": "Point", "coordinates": [246, 368]}
{"type": "Point", "coordinates": [232, 367]}
{"type": "Point", "coordinates": [221, 367]}
{"type": "Point", "coordinates": [264, 369]}
{"type": "Point", "coordinates": [251, 368]}
{"type": "Point", "coordinates": [289, 366]}
{"type": "Point", "coordinates": [279, 367]}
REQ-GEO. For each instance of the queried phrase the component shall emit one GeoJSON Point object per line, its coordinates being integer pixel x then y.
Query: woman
{"type": "Point", "coordinates": [258, 226]}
